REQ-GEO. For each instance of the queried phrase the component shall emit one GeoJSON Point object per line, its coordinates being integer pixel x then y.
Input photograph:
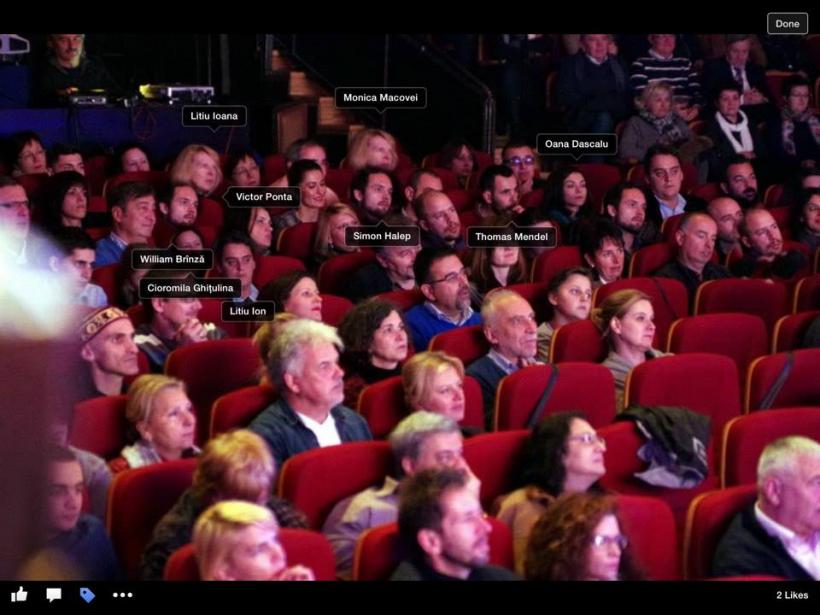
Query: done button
{"type": "Point", "coordinates": [787, 23]}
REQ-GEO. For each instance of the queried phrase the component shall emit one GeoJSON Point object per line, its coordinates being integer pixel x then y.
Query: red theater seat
{"type": "Point", "coordinates": [789, 331]}
{"type": "Point", "coordinates": [211, 369]}
{"type": "Point", "coordinates": [578, 341]}
{"type": "Point", "coordinates": [107, 276]}
{"type": "Point", "coordinates": [466, 343]}
{"type": "Point", "coordinates": [274, 166]}
{"type": "Point", "coordinates": [339, 181]}
{"type": "Point", "coordinates": [210, 213]}
{"type": "Point", "coordinates": [649, 259]}
{"type": "Point", "coordinates": [462, 199]}
{"type": "Point", "coordinates": [316, 480]}
{"type": "Point", "coordinates": [806, 294]}
{"type": "Point", "coordinates": [334, 309]}
{"type": "Point", "coordinates": [494, 458]}
{"type": "Point", "coordinates": [237, 409]}
{"type": "Point", "coordinates": [548, 264]}
{"type": "Point", "coordinates": [99, 425]}
{"type": "Point", "coordinates": [297, 241]}
{"type": "Point", "coordinates": [801, 387]}
{"type": "Point", "coordinates": [583, 387]}
{"type": "Point", "coordinates": [269, 268]}
{"type": "Point", "coordinates": [137, 500]}
{"type": "Point", "coordinates": [536, 294]}
{"type": "Point", "coordinates": [335, 272]}
{"type": "Point", "coordinates": [157, 179]}
{"type": "Point", "coordinates": [600, 177]}
{"type": "Point", "coordinates": [403, 299]}
{"type": "Point", "coordinates": [670, 226]}
{"type": "Point", "coordinates": [752, 296]}
{"type": "Point", "coordinates": [653, 538]}
{"type": "Point", "coordinates": [707, 520]}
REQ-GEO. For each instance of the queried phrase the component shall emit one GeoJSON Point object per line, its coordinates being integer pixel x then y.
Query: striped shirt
{"type": "Point", "coordinates": [677, 72]}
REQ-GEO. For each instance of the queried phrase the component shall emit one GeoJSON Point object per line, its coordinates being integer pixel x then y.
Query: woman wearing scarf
{"type": "Point", "coordinates": [793, 135]}
{"type": "Point", "coordinates": [731, 131]}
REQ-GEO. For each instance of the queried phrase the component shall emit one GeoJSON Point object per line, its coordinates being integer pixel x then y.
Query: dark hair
{"type": "Point", "coordinates": [279, 290]}
{"type": "Point", "coordinates": [451, 150]}
{"type": "Point", "coordinates": [60, 454]}
{"type": "Point", "coordinates": [231, 237]}
{"type": "Point", "coordinates": [358, 327]}
{"type": "Point", "coordinates": [237, 157]}
{"type": "Point", "coordinates": [119, 152]}
{"type": "Point", "coordinates": [793, 81]}
{"type": "Point", "coordinates": [239, 219]}
{"type": "Point", "coordinates": [481, 262]}
{"type": "Point", "coordinates": [294, 150]}
{"type": "Point", "coordinates": [420, 504]}
{"type": "Point", "coordinates": [56, 189]}
{"type": "Point", "coordinates": [731, 161]}
{"type": "Point", "coordinates": [594, 234]}
{"type": "Point", "coordinates": [298, 170]}
{"type": "Point", "coordinates": [415, 177]}
{"type": "Point", "coordinates": [516, 143]}
{"type": "Point", "coordinates": [15, 144]}
{"type": "Point", "coordinates": [168, 191]}
{"type": "Point", "coordinates": [564, 275]}
{"type": "Point", "coordinates": [61, 149]}
{"type": "Point", "coordinates": [153, 274]}
{"type": "Point", "coordinates": [614, 195]}
{"type": "Point", "coordinates": [542, 462]}
{"type": "Point", "coordinates": [126, 192]}
{"type": "Point", "coordinates": [70, 238]}
{"type": "Point", "coordinates": [727, 85]}
{"type": "Point", "coordinates": [797, 217]}
{"type": "Point", "coordinates": [659, 149]}
{"type": "Point", "coordinates": [189, 229]}
{"type": "Point", "coordinates": [425, 261]}
{"type": "Point", "coordinates": [362, 178]}
{"type": "Point", "coordinates": [731, 39]}
{"type": "Point", "coordinates": [554, 193]}
{"type": "Point", "coordinates": [487, 179]}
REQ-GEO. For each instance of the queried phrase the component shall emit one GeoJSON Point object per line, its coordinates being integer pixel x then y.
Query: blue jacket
{"type": "Point", "coordinates": [108, 252]}
{"type": "Point", "coordinates": [488, 374]}
{"type": "Point", "coordinates": [425, 324]}
{"type": "Point", "coordinates": [286, 435]}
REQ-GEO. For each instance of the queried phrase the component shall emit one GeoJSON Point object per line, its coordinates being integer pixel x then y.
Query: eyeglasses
{"type": "Point", "coordinates": [449, 458]}
{"type": "Point", "coordinates": [600, 540]}
{"type": "Point", "coordinates": [517, 161]}
{"type": "Point", "coordinates": [453, 276]}
{"type": "Point", "coordinates": [15, 204]}
{"type": "Point", "coordinates": [589, 438]}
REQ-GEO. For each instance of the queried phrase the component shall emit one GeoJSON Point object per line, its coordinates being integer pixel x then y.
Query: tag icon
{"type": "Point", "coordinates": [87, 595]}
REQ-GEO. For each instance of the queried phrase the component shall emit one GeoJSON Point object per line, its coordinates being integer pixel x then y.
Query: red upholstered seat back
{"type": "Point", "coordinates": [548, 264]}
{"type": "Point", "coordinates": [403, 299]}
{"type": "Point", "coordinates": [789, 331]}
{"type": "Point", "coordinates": [334, 309]}
{"type": "Point", "coordinates": [237, 409]}
{"type": "Point", "coordinates": [801, 388]}
{"type": "Point", "coordinates": [99, 425]}
{"type": "Point", "coordinates": [334, 272]}
{"type": "Point", "coordinates": [578, 341]}
{"type": "Point", "coordinates": [649, 259]}
{"type": "Point", "coordinates": [536, 295]}
{"type": "Point", "coordinates": [268, 268]}
{"type": "Point", "coordinates": [653, 538]}
{"type": "Point", "coordinates": [466, 343]}
{"type": "Point", "coordinates": [752, 296]}
{"type": "Point", "coordinates": [494, 459]}
{"type": "Point", "coordinates": [297, 241]}
{"type": "Point", "coordinates": [807, 294]}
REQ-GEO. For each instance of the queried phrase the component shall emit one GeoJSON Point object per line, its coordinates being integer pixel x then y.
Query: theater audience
{"type": "Point", "coordinates": [130, 157]}
{"type": "Point", "coordinates": [602, 248]}
{"type": "Point", "coordinates": [295, 293]}
{"type": "Point", "coordinates": [199, 166]}
{"type": "Point", "coordinates": [458, 156]}
{"type": "Point", "coordinates": [62, 158]}
{"type": "Point", "coordinates": [570, 295]}
{"type": "Point", "coordinates": [66, 202]}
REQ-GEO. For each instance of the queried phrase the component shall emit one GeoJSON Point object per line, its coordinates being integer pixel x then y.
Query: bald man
{"type": "Point", "coordinates": [764, 254]}
{"type": "Point", "coordinates": [727, 213]}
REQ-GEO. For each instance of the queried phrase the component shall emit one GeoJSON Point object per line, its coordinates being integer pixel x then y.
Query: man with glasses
{"type": "Point", "coordinates": [439, 222]}
{"type": "Point", "coordinates": [523, 161]}
{"type": "Point", "coordinates": [421, 441]}
{"type": "Point", "coordinates": [69, 70]}
{"type": "Point", "coordinates": [511, 329]}
{"type": "Point", "coordinates": [15, 220]}
{"type": "Point", "coordinates": [444, 531]}
{"type": "Point", "coordinates": [443, 280]}
{"type": "Point", "coordinates": [764, 253]}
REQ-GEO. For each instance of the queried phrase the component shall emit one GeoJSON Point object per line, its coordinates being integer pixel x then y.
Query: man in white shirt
{"type": "Point", "coordinates": [779, 534]}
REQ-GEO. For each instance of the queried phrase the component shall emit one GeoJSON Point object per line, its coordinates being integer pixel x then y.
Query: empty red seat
{"type": "Point", "coordinates": [745, 437]}
{"type": "Point", "coordinates": [96, 168]}
{"type": "Point", "coordinates": [578, 341]}
{"type": "Point", "coordinates": [274, 166]}
{"type": "Point", "coordinates": [99, 425]}
{"type": "Point", "coordinates": [237, 409]}
{"type": "Point", "coordinates": [670, 226]}
{"type": "Point", "coordinates": [269, 268]}
{"type": "Point", "coordinates": [467, 343]}
{"type": "Point", "coordinates": [649, 259]}
{"type": "Point", "coordinates": [107, 277]}
{"type": "Point", "coordinates": [582, 387]}
{"type": "Point", "coordinates": [650, 526]}
{"type": "Point", "coordinates": [806, 294]}
{"type": "Point", "coordinates": [383, 406]}
{"type": "Point", "coordinates": [741, 337]}
{"type": "Point", "coordinates": [789, 331]}
{"type": "Point", "coordinates": [494, 458]}
{"type": "Point", "coordinates": [297, 241]}
{"type": "Point", "coordinates": [335, 272]}
{"type": "Point", "coordinates": [762, 298]}
{"type": "Point", "coordinates": [707, 192]}
{"type": "Point", "coordinates": [801, 387]}
{"type": "Point", "coordinates": [403, 299]}
{"type": "Point", "coordinates": [339, 181]}
{"type": "Point", "coordinates": [548, 264]}
{"type": "Point", "coordinates": [137, 500]}
{"type": "Point", "coordinates": [315, 480]}
{"type": "Point", "coordinates": [34, 184]}
{"type": "Point", "coordinates": [334, 309]}
{"type": "Point", "coordinates": [302, 547]}
{"type": "Point", "coordinates": [707, 520]}
{"type": "Point", "coordinates": [210, 213]}
{"type": "Point", "coordinates": [669, 298]}
{"type": "Point", "coordinates": [462, 199]}
{"type": "Point", "coordinates": [97, 204]}
{"type": "Point", "coordinates": [211, 369]}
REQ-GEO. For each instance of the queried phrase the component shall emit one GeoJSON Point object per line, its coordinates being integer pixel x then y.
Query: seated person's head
{"type": "Point", "coordinates": [563, 454]}
{"type": "Point", "coordinates": [256, 223]}
{"type": "Point", "coordinates": [808, 211]}
{"type": "Point", "coordinates": [696, 237]}
{"type": "Point", "coordinates": [179, 204]}
{"type": "Point", "coordinates": [437, 215]}
{"type": "Point", "coordinates": [727, 100]}
{"type": "Point", "coordinates": [303, 364]}
{"type": "Point", "coordinates": [434, 381]}
{"type": "Point", "coordinates": [129, 276]}
{"type": "Point", "coordinates": [235, 466]}
{"type": "Point", "coordinates": [307, 149]}
{"type": "Point", "coordinates": [727, 214]}
{"type": "Point", "coordinates": [759, 232]}
{"type": "Point", "coordinates": [567, 191]}
{"type": "Point", "coordinates": [500, 266]}
{"type": "Point", "coordinates": [626, 320]}
{"type": "Point", "coordinates": [524, 162]}
{"type": "Point", "coordinates": [330, 230]}
{"type": "Point", "coordinates": [168, 317]}
{"type": "Point", "coordinates": [787, 475]}
{"type": "Point", "coordinates": [63, 158]}
{"type": "Point", "coordinates": [442, 523]}
{"type": "Point", "coordinates": [372, 148]}
{"type": "Point", "coordinates": [663, 172]}
{"type": "Point", "coordinates": [67, 49]}
{"type": "Point", "coordinates": [579, 538]}
{"type": "Point", "coordinates": [108, 346]}
{"type": "Point", "coordinates": [424, 440]}
{"type": "Point", "coordinates": [498, 187]}
{"type": "Point", "coordinates": [397, 261]}
{"type": "Point", "coordinates": [64, 499]}
{"type": "Point", "coordinates": [76, 255]}
{"type": "Point", "coordinates": [570, 295]}
{"type": "Point", "coordinates": [133, 207]}
{"type": "Point", "coordinates": [296, 293]}
{"type": "Point", "coordinates": [161, 415]}
{"type": "Point", "coordinates": [131, 158]}
{"type": "Point", "coordinates": [443, 279]}
{"type": "Point", "coordinates": [66, 202]}
{"type": "Point", "coordinates": [737, 49]}
{"type": "Point", "coordinates": [625, 204]}
{"type": "Point", "coordinates": [420, 181]}
{"type": "Point", "coordinates": [602, 247]}
{"type": "Point", "coordinates": [309, 177]}
{"type": "Point", "coordinates": [740, 181]}
{"type": "Point", "coordinates": [264, 336]}
{"type": "Point", "coordinates": [458, 156]}
{"type": "Point", "coordinates": [374, 333]}
{"type": "Point", "coordinates": [663, 44]}
{"type": "Point", "coordinates": [26, 153]}
{"type": "Point", "coordinates": [509, 325]}
{"type": "Point", "coordinates": [596, 45]}
{"type": "Point", "coordinates": [188, 239]}
{"type": "Point", "coordinates": [243, 170]}
{"type": "Point", "coordinates": [796, 92]}
{"type": "Point", "coordinates": [233, 254]}
{"type": "Point", "coordinates": [657, 100]}
{"type": "Point", "coordinates": [374, 192]}
{"type": "Point", "coordinates": [198, 166]}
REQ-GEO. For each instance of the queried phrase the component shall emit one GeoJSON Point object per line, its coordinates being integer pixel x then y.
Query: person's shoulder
{"type": "Point", "coordinates": [493, 573]}
{"type": "Point", "coordinates": [479, 364]}
{"type": "Point", "coordinates": [406, 571]}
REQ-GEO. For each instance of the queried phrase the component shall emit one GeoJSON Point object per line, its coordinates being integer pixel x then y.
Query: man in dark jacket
{"type": "Point", "coordinates": [70, 70]}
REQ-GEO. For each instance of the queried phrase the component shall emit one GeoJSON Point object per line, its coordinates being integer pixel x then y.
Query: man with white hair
{"type": "Point", "coordinates": [422, 440]}
{"type": "Point", "coordinates": [512, 331]}
{"type": "Point", "coordinates": [303, 365]}
{"type": "Point", "coordinates": [779, 534]}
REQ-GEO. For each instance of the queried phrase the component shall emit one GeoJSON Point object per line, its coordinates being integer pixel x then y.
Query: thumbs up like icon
{"type": "Point", "coordinates": [19, 595]}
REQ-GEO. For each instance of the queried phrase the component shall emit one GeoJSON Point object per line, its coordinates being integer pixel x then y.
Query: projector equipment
{"type": "Point", "coordinates": [13, 48]}
{"type": "Point", "coordinates": [178, 93]}
{"type": "Point", "coordinates": [87, 100]}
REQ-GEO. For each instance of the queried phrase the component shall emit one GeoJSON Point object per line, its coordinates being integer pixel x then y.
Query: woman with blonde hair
{"type": "Point", "coordinates": [330, 232]}
{"type": "Point", "coordinates": [372, 148]}
{"type": "Point", "coordinates": [237, 465]}
{"type": "Point", "coordinates": [626, 320]}
{"type": "Point", "coordinates": [434, 381]}
{"type": "Point", "coordinates": [199, 166]}
{"type": "Point", "coordinates": [162, 423]}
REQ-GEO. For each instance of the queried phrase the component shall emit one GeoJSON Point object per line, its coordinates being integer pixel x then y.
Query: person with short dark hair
{"type": "Point", "coordinates": [233, 256]}
{"type": "Point", "coordinates": [76, 259]}
{"type": "Point", "coordinates": [567, 202]}
{"type": "Point", "coordinates": [664, 174]}
{"type": "Point", "coordinates": [133, 211]}
{"type": "Point", "coordinates": [130, 157]}
{"type": "Point", "coordinates": [439, 222]}
{"type": "Point", "coordinates": [569, 293]}
{"type": "Point", "coordinates": [295, 293]}
{"type": "Point", "coordinates": [764, 255]}
{"type": "Point", "coordinates": [444, 282]}
{"type": "Point", "coordinates": [523, 160]}
{"type": "Point", "coordinates": [243, 169]}
{"type": "Point", "coordinates": [625, 204]}
{"type": "Point", "coordinates": [602, 248]}
{"type": "Point", "coordinates": [739, 181]}
{"type": "Point", "coordinates": [375, 192]}
{"type": "Point", "coordinates": [498, 193]}
{"type": "Point", "coordinates": [727, 214]}
{"type": "Point", "coordinates": [66, 202]}
{"type": "Point", "coordinates": [731, 131]}
{"type": "Point", "coordinates": [443, 530]}
{"type": "Point", "coordinates": [458, 156]}
{"type": "Point", "coordinates": [26, 154]}
{"type": "Point", "coordinates": [806, 219]}
{"type": "Point", "coordinates": [62, 158]}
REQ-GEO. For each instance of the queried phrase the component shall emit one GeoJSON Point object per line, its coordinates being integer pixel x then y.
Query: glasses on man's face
{"type": "Point", "coordinates": [589, 438]}
{"type": "Point", "coordinates": [449, 458]}
{"type": "Point", "coordinates": [600, 540]}
{"type": "Point", "coordinates": [15, 205]}
{"type": "Point", "coordinates": [517, 161]}
{"type": "Point", "coordinates": [453, 276]}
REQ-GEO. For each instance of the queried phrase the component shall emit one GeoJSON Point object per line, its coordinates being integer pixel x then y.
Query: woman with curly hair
{"type": "Point", "coordinates": [579, 538]}
{"type": "Point", "coordinates": [66, 201]}
{"type": "Point", "coordinates": [376, 343]}
{"type": "Point", "coordinates": [563, 454]}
